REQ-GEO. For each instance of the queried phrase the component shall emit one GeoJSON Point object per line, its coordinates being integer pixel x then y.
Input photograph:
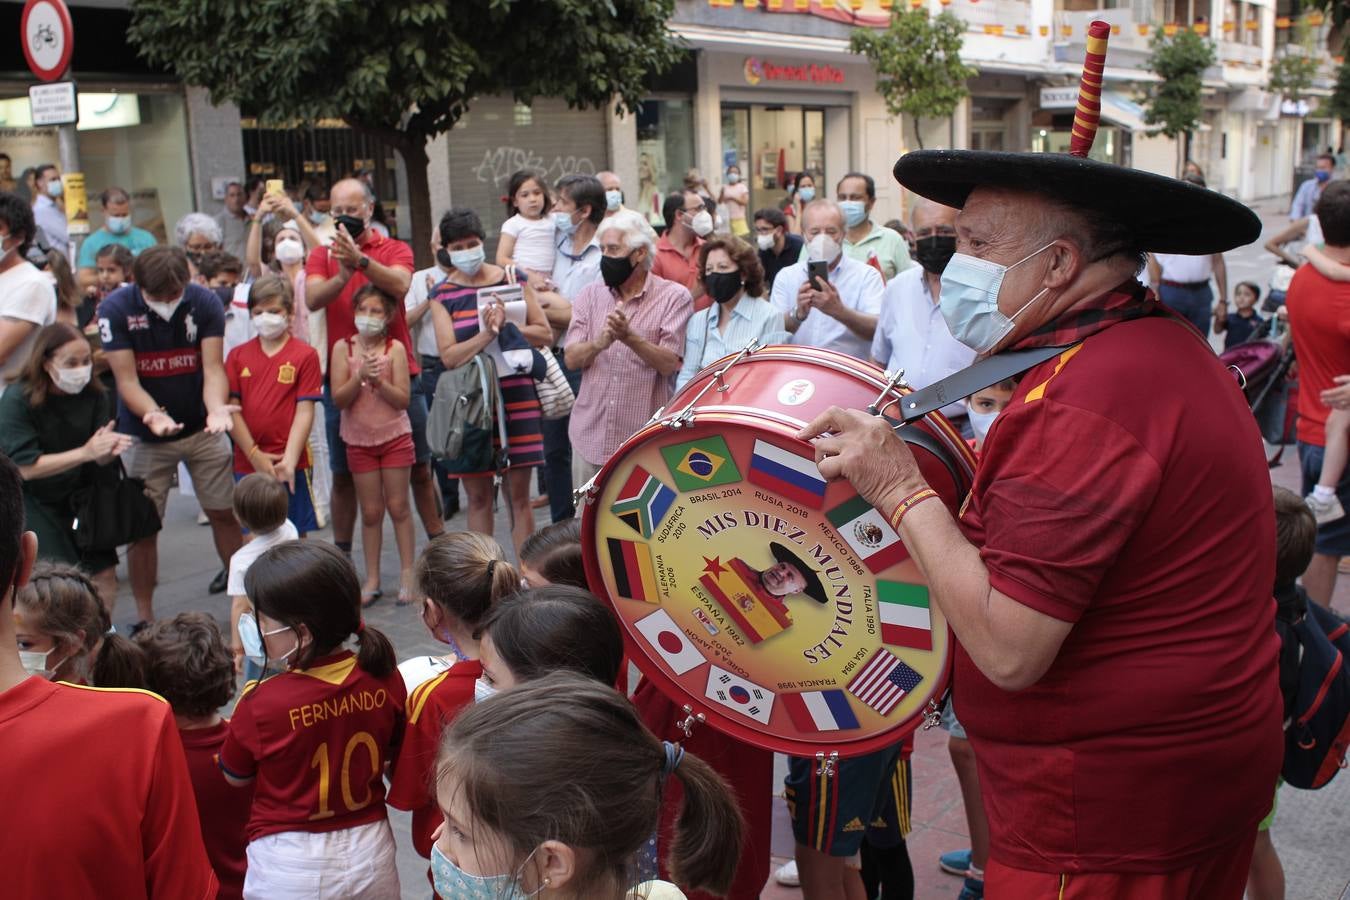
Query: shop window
{"type": "Point", "coordinates": [665, 143]}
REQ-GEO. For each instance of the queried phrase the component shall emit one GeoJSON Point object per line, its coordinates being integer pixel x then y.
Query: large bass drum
{"type": "Point", "coordinates": [779, 608]}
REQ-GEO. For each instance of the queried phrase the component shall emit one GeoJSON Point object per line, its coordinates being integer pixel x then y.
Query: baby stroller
{"type": "Point", "coordinates": [1264, 367]}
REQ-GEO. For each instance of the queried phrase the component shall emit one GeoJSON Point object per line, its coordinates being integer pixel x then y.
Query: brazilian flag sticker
{"type": "Point", "coordinates": [700, 464]}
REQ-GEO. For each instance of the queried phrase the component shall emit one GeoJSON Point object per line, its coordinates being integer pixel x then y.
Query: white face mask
{"type": "Point", "coordinates": [980, 422]}
{"type": "Point", "coordinates": [72, 381]}
{"type": "Point", "coordinates": [468, 261]}
{"type": "Point", "coordinates": [34, 662]}
{"type": "Point", "coordinates": [563, 222]}
{"type": "Point", "coordinates": [613, 200]}
{"type": "Point", "coordinates": [164, 310]}
{"type": "Point", "coordinates": [822, 248]}
{"type": "Point", "coordinates": [733, 177]}
{"type": "Point", "coordinates": [482, 690]}
{"type": "Point", "coordinates": [370, 326]}
{"type": "Point", "coordinates": [765, 241]}
{"type": "Point", "coordinates": [702, 223]}
{"type": "Point", "coordinates": [269, 324]}
{"type": "Point", "coordinates": [969, 300]}
{"type": "Point", "coordinates": [117, 224]}
{"type": "Point", "coordinates": [290, 252]}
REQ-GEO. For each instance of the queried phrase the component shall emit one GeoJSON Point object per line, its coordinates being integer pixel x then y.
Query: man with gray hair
{"type": "Point", "coordinates": [627, 339]}
{"type": "Point", "coordinates": [613, 192]}
{"type": "Point", "coordinates": [234, 221]}
{"type": "Point", "coordinates": [117, 229]}
{"type": "Point", "coordinates": [837, 310]}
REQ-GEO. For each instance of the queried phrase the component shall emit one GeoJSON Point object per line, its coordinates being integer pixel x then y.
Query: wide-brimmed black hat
{"type": "Point", "coordinates": [1167, 215]}
{"type": "Point", "coordinates": [814, 588]}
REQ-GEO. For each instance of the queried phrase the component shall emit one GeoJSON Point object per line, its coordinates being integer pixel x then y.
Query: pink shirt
{"type": "Point", "coordinates": [370, 421]}
{"type": "Point", "coordinates": [619, 391]}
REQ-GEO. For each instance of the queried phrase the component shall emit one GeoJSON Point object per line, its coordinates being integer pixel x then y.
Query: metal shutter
{"type": "Point", "coordinates": [497, 138]}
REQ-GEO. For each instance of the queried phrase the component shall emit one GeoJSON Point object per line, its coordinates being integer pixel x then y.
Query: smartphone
{"type": "Point", "coordinates": [275, 186]}
{"type": "Point", "coordinates": [818, 270]}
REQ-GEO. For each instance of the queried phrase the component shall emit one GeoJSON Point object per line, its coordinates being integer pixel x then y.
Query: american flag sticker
{"type": "Point", "coordinates": [883, 681]}
{"type": "Point", "coordinates": [739, 695]}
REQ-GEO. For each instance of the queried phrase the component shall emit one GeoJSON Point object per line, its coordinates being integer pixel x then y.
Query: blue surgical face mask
{"type": "Point", "coordinates": [855, 212]}
{"type": "Point", "coordinates": [450, 880]}
{"type": "Point", "coordinates": [1321, 175]}
{"type": "Point", "coordinates": [807, 194]}
{"type": "Point", "coordinates": [613, 200]}
{"type": "Point", "coordinates": [54, 188]}
{"type": "Point", "coordinates": [563, 222]}
{"type": "Point", "coordinates": [468, 261]}
{"type": "Point", "coordinates": [117, 224]}
{"type": "Point", "coordinates": [251, 639]}
{"type": "Point", "coordinates": [969, 300]}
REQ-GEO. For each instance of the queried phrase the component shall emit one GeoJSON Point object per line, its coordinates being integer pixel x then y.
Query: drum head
{"type": "Point", "coordinates": [780, 607]}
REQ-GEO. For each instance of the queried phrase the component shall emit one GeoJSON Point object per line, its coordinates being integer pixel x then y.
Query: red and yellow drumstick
{"type": "Point", "coordinates": [1089, 109]}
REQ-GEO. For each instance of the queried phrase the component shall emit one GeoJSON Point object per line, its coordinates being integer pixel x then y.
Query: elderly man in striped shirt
{"type": "Point", "coordinates": [627, 339]}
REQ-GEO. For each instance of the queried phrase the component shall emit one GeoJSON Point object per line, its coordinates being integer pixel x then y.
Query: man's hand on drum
{"type": "Point", "coordinates": [865, 450]}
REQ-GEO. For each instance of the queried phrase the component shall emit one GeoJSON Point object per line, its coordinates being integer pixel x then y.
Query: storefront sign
{"type": "Point", "coordinates": [48, 37]}
{"type": "Point", "coordinates": [53, 104]}
{"type": "Point", "coordinates": [757, 70]}
{"type": "Point", "coordinates": [1298, 108]}
{"type": "Point", "coordinates": [1059, 97]}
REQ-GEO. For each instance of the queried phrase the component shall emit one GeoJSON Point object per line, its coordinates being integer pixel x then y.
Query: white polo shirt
{"type": "Point", "coordinates": [912, 335]}
{"type": "Point", "coordinates": [860, 288]}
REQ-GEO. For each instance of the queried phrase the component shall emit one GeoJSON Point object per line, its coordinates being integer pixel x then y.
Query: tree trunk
{"type": "Point", "coordinates": [414, 153]}
{"type": "Point", "coordinates": [918, 135]}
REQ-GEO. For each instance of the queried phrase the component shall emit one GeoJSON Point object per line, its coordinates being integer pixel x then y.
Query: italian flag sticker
{"type": "Point", "coordinates": [905, 620]}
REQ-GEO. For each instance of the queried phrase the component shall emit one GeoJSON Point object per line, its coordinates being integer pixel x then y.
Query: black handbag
{"type": "Point", "coordinates": [113, 510]}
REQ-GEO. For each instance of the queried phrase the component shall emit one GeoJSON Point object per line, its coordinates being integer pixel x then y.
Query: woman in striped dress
{"type": "Point", "coordinates": [460, 337]}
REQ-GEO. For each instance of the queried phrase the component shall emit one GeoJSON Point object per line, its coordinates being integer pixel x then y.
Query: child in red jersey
{"type": "Point", "coordinates": [65, 634]}
{"type": "Point", "coordinates": [315, 739]}
{"type": "Point", "coordinates": [186, 663]}
{"type": "Point", "coordinates": [276, 380]}
{"type": "Point", "coordinates": [369, 377]}
{"type": "Point", "coordinates": [552, 788]}
{"type": "Point", "coordinates": [460, 576]}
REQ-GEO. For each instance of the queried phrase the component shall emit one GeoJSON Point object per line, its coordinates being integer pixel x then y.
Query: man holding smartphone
{"type": "Point", "coordinates": [829, 300]}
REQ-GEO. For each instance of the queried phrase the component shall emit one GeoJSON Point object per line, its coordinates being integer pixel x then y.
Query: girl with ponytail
{"type": "Point", "coordinates": [524, 819]}
{"type": "Point", "coordinates": [460, 577]}
{"type": "Point", "coordinates": [315, 739]}
{"type": "Point", "coordinates": [65, 633]}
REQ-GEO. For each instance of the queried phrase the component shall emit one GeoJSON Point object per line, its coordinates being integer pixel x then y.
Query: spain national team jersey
{"type": "Point", "coordinates": [222, 808]}
{"type": "Point", "coordinates": [267, 389]}
{"type": "Point", "coordinates": [317, 741]}
{"type": "Point", "coordinates": [432, 706]}
{"type": "Point", "coordinates": [95, 799]}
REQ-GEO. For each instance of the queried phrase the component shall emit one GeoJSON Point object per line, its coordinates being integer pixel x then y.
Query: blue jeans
{"type": "Point", "coordinates": [1196, 304]}
{"type": "Point", "coordinates": [558, 455]}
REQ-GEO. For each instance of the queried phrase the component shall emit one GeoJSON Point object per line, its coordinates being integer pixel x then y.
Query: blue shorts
{"type": "Point", "coordinates": [332, 422]}
{"type": "Point", "coordinates": [1333, 538]}
{"type": "Point", "coordinates": [868, 796]}
{"type": "Point", "coordinates": [300, 510]}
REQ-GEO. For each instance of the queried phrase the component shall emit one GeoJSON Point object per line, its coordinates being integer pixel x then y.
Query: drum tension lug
{"type": "Point", "coordinates": [932, 715]}
{"type": "Point", "coordinates": [690, 720]}
{"type": "Point", "coordinates": [893, 380]}
{"type": "Point", "coordinates": [585, 494]}
{"type": "Point", "coordinates": [827, 765]}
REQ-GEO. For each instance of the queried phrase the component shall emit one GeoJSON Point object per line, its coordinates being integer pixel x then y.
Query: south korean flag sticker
{"type": "Point", "coordinates": [739, 695]}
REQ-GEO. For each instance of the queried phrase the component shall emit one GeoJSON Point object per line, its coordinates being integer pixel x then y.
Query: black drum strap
{"type": "Point", "coordinates": [974, 378]}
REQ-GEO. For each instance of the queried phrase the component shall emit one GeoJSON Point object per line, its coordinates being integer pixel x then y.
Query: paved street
{"type": "Point", "coordinates": [1312, 829]}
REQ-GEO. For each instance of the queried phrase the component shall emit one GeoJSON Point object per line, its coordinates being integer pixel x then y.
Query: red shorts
{"type": "Point", "coordinates": [392, 454]}
{"type": "Point", "coordinates": [1223, 876]}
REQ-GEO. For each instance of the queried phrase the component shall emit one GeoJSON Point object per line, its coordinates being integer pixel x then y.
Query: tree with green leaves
{"type": "Point", "coordinates": [1338, 104]}
{"type": "Point", "coordinates": [406, 72]}
{"type": "Point", "coordinates": [1172, 106]}
{"type": "Point", "coordinates": [918, 65]}
{"type": "Point", "coordinates": [1293, 71]}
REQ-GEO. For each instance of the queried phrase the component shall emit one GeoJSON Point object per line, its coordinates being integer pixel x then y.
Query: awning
{"type": "Point", "coordinates": [1118, 109]}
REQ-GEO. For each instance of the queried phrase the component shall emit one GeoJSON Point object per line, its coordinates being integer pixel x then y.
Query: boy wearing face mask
{"type": "Point", "coordinates": [275, 380]}
{"type": "Point", "coordinates": [983, 408]}
{"type": "Point", "coordinates": [778, 246]}
{"type": "Point", "coordinates": [688, 222]}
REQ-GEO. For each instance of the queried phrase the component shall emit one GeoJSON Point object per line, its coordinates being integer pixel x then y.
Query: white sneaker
{"type": "Point", "coordinates": [787, 874]}
{"type": "Point", "coordinates": [1324, 510]}
{"type": "Point", "coordinates": [202, 519]}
